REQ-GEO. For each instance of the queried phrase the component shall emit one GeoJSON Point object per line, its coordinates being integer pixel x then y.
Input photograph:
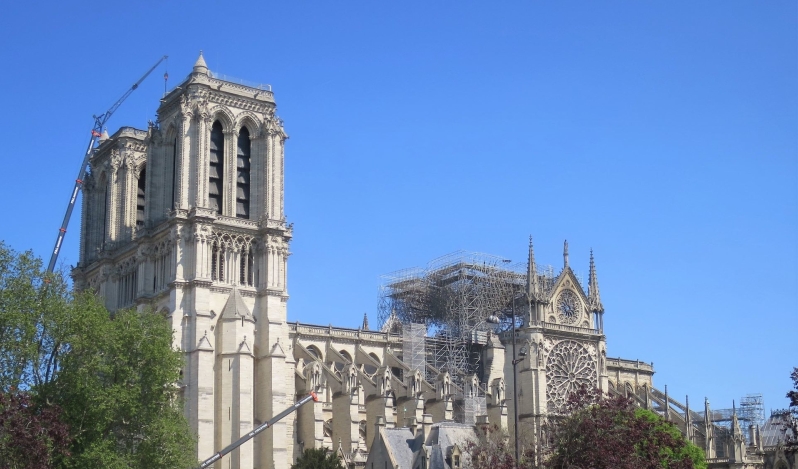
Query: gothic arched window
{"type": "Point", "coordinates": [216, 169]}
{"type": "Point", "coordinates": [140, 197]}
{"type": "Point", "coordinates": [103, 199]}
{"type": "Point", "coordinates": [171, 172]}
{"type": "Point", "coordinates": [242, 178]}
{"type": "Point", "coordinates": [247, 266]}
{"type": "Point", "coordinates": [218, 253]}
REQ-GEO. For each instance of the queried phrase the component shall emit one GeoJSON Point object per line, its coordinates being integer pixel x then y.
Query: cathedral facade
{"type": "Point", "coordinates": [187, 217]}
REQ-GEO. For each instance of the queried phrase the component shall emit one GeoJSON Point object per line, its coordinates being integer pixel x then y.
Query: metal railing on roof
{"type": "Point", "coordinates": [239, 81]}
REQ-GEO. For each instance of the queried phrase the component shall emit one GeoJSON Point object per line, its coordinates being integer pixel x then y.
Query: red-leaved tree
{"type": "Point", "coordinates": [600, 432]}
{"type": "Point", "coordinates": [594, 432]}
{"type": "Point", "coordinates": [31, 436]}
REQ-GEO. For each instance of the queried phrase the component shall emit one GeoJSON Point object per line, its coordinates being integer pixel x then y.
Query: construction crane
{"type": "Point", "coordinates": [99, 123]}
{"type": "Point", "coordinates": [208, 462]}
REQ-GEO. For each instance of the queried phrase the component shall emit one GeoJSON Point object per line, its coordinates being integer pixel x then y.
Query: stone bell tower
{"type": "Point", "coordinates": [188, 217]}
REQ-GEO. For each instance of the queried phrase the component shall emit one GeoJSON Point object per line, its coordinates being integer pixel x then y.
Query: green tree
{"type": "Point", "coordinates": [318, 459]}
{"type": "Point", "coordinates": [681, 450]}
{"type": "Point", "coordinates": [117, 388]}
{"type": "Point", "coordinates": [33, 308]}
{"type": "Point", "coordinates": [114, 378]}
{"type": "Point", "coordinates": [600, 432]}
{"type": "Point", "coordinates": [790, 424]}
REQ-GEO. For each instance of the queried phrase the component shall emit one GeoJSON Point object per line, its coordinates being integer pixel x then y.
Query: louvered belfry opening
{"type": "Point", "coordinates": [216, 169]}
{"type": "Point", "coordinates": [173, 168]}
{"type": "Point", "coordinates": [104, 199]}
{"type": "Point", "coordinates": [247, 265]}
{"type": "Point", "coordinates": [242, 178]}
{"type": "Point", "coordinates": [218, 253]}
{"type": "Point", "coordinates": [140, 197]}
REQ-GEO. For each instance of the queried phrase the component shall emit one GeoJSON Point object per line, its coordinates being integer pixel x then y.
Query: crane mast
{"type": "Point", "coordinates": [99, 123]}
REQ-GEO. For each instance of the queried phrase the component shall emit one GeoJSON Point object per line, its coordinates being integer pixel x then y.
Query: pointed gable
{"type": "Point", "coordinates": [567, 279]}
{"type": "Point", "coordinates": [277, 350]}
{"type": "Point", "coordinates": [568, 290]}
{"type": "Point", "coordinates": [235, 307]}
{"type": "Point", "coordinates": [205, 343]}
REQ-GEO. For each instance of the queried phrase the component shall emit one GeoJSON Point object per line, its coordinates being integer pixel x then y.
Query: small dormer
{"type": "Point", "coordinates": [456, 458]}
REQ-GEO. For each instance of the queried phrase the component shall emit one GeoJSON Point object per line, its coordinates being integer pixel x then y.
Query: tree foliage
{"type": "Point", "coordinates": [33, 308]}
{"type": "Point", "coordinates": [495, 450]}
{"type": "Point", "coordinates": [31, 436]}
{"type": "Point", "coordinates": [790, 425]}
{"type": "Point", "coordinates": [598, 432]}
{"type": "Point", "coordinates": [113, 378]}
{"type": "Point", "coordinates": [612, 433]}
{"type": "Point", "coordinates": [319, 458]}
{"type": "Point", "coordinates": [117, 388]}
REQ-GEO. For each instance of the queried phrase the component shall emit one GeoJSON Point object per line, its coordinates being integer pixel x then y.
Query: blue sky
{"type": "Point", "coordinates": [664, 135]}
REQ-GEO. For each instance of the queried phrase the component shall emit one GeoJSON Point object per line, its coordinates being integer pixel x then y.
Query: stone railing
{"type": "Point", "coordinates": [237, 222]}
{"type": "Point", "coordinates": [629, 364]}
{"type": "Point", "coordinates": [565, 328]}
{"type": "Point", "coordinates": [267, 89]}
{"type": "Point", "coordinates": [507, 335]}
{"type": "Point", "coordinates": [343, 333]}
{"type": "Point", "coordinates": [131, 132]}
{"type": "Point", "coordinates": [276, 224]}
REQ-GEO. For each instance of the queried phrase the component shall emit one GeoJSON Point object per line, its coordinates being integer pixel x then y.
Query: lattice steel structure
{"type": "Point", "coordinates": [751, 411]}
{"type": "Point", "coordinates": [414, 352]}
{"type": "Point", "coordinates": [453, 297]}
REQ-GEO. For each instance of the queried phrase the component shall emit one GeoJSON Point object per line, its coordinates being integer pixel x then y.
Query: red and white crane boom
{"type": "Point", "coordinates": [99, 123]}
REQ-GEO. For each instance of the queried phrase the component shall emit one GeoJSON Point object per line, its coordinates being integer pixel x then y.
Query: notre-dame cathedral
{"type": "Point", "coordinates": [186, 217]}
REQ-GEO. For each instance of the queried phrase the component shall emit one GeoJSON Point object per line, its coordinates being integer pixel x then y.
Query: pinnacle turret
{"type": "Point", "coordinates": [594, 297]}
{"type": "Point", "coordinates": [738, 439]}
{"type": "Point", "coordinates": [565, 255]}
{"type": "Point", "coordinates": [709, 431]}
{"type": "Point", "coordinates": [200, 66]}
{"type": "Point", "coordinates": [365, 325]}
{"type": "Point", "coordinates": [531, 272]}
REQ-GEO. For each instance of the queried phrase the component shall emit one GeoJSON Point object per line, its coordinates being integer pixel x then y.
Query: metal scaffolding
{"type": "Point", "coordinates": [453, 297]}
{"type": "Point", "coordinates": [414, 352]}
{"type": "Point", "coordinates": [751, 411]}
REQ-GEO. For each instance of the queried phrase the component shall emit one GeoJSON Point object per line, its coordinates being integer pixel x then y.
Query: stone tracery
{"type": "Point", "coordinates": [569, 366]}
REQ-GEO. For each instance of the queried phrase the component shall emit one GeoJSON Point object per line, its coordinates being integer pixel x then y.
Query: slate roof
{"type": "Point", "coordinates": [443, 436]}
{"type": "Point", "coordinates": [402, 444]}
{"type": "Point", "coordinates": [451, 433]}
{"type": "Point", "coordinates": [772, 432]}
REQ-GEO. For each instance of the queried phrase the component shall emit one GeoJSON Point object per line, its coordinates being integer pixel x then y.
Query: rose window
{"type": "Point", "coordinates": [570, 366]}
{"type": "Point", "coordinates": [568, 307]}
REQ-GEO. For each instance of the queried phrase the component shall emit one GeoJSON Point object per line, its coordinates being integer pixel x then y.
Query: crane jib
{"type": "Point", "coordinates": [99, 122]}
{"type": "Point", "coordinates": [312, 396]}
